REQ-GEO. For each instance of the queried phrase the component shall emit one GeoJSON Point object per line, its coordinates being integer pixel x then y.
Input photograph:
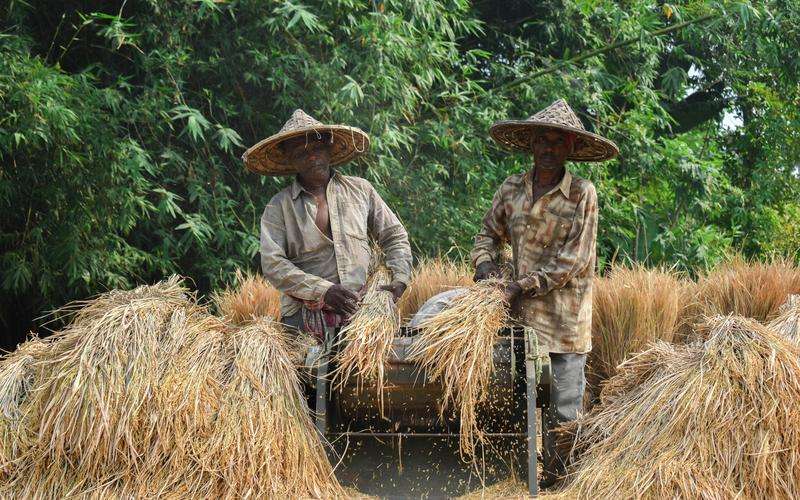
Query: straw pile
{"type": "Point", "coordinates": [712, 419]}
{"type": "Point", "coordinates": [432, 277]}
{"type": "Point", "coordinates": [366, 341]}
{"type": "Point", "coordinates": [455, 348]}
{"type": "Point", "coordinates": [787, 323]}
{"type": "Point", "coordinates": [135, 397]}
{"type": "Point", "coordinates": [263, 443]}
{"type": "Point", "coordinates": [252, 297]}
{"type": "Point", "coordinates": [632, 307]}
{"type": "Point", "coordinates": [751, 289]}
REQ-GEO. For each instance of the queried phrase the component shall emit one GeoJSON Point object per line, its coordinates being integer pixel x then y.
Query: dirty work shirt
{"type": "Point", "coordinates": [553, 248]}
{"type": "Point", "coordinates": [302, 262]}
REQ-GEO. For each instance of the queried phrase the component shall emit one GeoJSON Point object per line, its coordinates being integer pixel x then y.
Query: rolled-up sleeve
{"type": "Point", "coordinates": [387, 230]}
{"type": "Point", "coordinates": [492, 233]}
{"type": "Point", "coordinates": [576, 254]}
{"type": "Point", "coordinates": [277, 268]}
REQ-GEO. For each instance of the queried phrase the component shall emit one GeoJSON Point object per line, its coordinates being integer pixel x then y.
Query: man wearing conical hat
{"type": "Point", "coordinates": [316, 232]}
{"type": "Point", "coordinates": [548, 216]}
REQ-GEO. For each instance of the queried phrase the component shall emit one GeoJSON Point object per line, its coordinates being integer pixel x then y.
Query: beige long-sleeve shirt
{"type": "Point", "coordinates": [553, 246]}
{"type": "Point", "coordinates": [302, 262]}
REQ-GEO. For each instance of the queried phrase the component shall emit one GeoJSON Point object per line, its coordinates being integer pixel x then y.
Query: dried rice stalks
{"type": "Point", "coordinates": [94, 408]}
{"type": "Point", "coordinates": [455, 348]}
{"type": "Point", "coordinates": [253, 297]}
{"type": "Point", "coordinates": [750, 289]}
{"type": "Point", "coordinates": [632, 307]}
{"type": "Point", "coordinates": [787, 323]}
{"type": "Point", "coordinates": [264, 444]}
{"type": "Point", "coordinates": [712, 419]}
{"type": "Point", "coordinates": [366, 341]}
{"type": "Point", "coordinates": [17, 377]}
{"type": "Point", "coordinates": [431, 277]}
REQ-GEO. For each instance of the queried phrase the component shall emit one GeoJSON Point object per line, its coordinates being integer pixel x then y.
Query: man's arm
{"type": "Point", "coordinates": [278, 269]}
{"type": "Point", "coordinates": [391, 236]}
{"type": "Point", "coordinates": [574, 256]}
{"type": "Point", "coordinates": [486, 250]}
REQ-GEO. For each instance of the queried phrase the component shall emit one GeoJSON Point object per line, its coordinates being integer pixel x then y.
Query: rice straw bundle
{"type": "Point", "coordinates": [632, 307]}
{"type": "Point", "coordinates": [252, 297]}
{"type": "Point", "coordinates": [751, 289]}
{"type": "Point", "coordinates": [787, 323]}
{"type": "Point", "coordinates": [712, 419]}
{"type": "Point", "coordinates": [366, 341]}
{"type": "Point", "coordinates": [17, 377]}
{"type": "Point", "coordinates": [455, 348]}
{"type": "Point", "coordinates": [95, 407]}
{"type": "Point", "coordinates": [264, 444]}
{"type": "Point", "coordinates": [432, 277]}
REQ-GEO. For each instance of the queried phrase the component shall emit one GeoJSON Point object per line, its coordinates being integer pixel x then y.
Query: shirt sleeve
{"type": "Point", "coordinates": [576, 254]}
{"type": "Point", "coordinates": [387, 230]}
{"type": "Point", "coordinates": [277, 268]}
{"type": "Point", "coordinates": [492, 233]}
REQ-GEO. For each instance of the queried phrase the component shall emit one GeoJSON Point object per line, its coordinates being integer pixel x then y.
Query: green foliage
{"type": "Point", "coordinates": [123, 124]}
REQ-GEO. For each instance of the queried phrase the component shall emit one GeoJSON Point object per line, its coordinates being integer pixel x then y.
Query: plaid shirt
{"type": "Point", "coordinates": [553, 248]}
{"type": "Point", "coordinates": [302, 262]}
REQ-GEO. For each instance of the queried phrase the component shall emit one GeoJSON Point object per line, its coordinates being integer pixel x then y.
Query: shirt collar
{"type": "Point", "coordinates": [296, 188]}
{"type": "Point", "coordinates": [566, 183]}
{"type": "Point", "coordinates": [563, 186]}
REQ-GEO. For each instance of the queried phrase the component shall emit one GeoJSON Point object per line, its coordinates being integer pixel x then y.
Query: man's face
{"type": "Point", "coordinates": [309, 152]}
{"type": "Point", "coordinates": [551, 148]}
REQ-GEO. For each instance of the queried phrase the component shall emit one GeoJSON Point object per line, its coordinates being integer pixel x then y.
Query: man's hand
{"type": "Point", "coordinates": [396, 287]}
{"type": "Point", "coordinates": [512, 291]}
{"type": "Point", "coordinates": [486, 270]}
{"type": "Point", "coordinates": [341, 300]}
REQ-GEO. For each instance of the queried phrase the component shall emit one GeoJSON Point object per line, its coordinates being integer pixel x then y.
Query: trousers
{"type": "Point", "coordinates": [566, 400]}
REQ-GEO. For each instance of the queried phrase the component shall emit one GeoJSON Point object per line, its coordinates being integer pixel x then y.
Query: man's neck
{"type": "Point", "coordinates": [547, 177]}
{"type": "Point", "coordinates": [315, 181]}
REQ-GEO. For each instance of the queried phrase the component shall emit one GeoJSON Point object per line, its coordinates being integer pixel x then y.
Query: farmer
{"type": "Point", "coordinates": [549, 218]}
{"type": "Point", "coordinates": [315, 233]}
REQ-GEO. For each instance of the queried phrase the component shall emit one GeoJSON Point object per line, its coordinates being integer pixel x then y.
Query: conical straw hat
{"type": "Point", "coordinates": [517, 134]}
{"type": "Point", "coordinates": [267, 158]}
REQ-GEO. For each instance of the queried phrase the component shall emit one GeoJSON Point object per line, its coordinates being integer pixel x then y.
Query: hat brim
{"type": "Point", "coordinates": [516, 135]}
{"type": "Point", "coordinates": [268, 158]}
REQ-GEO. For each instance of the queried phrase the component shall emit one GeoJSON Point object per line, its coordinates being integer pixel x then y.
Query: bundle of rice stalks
{"type": "Point", "coordinates": [17, 378]}
{"type": "Point", "coordinates": [787, 323]}
{"type": "Point", "coordinates": [750, 289]}
{"type": "Point", "coordinates": [431, 277]}
{"type": "Point", "coordinates": [264, 444]}
{"type": "Point", "coordinates": [632, 307]}
{"type": "Point", "coordinates": [366, 341]}
{"type": "Point", "coordinates": [712, 419]}
{"type": "Point", "coordinates": [94, 407]}
{"type": "Point", "coordinates": [455, 348]}
{"type": "Point", "coordinates": [251, 297]}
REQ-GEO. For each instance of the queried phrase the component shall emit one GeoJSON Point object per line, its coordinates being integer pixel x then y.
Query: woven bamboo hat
{"type": "Point", "coordinates": [267, 158]}
{"type": "Point", "coordinates": [517, 134]}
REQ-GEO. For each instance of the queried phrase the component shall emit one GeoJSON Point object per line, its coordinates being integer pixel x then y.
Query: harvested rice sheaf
{"type": "Point", "coordinates": [711, 419]}
{"type": "Point", "coordinates": [264, 444]}
{"type": "Point", "coordinates": [632, 307]}
{"type": "Point", "coordinates": [251, 297]}
{"type": "Point", "coordinates": [365, 343]}
{"type": "Point", "coordinates": [95, 405]}
{"type": "Point", "coordinates": [17, 378]}
{"type": "Point", "coordinates": [455, 348]}
{"type": "Point", "coordinates": [787, 323]}
{"type": "Point", "coordinates": [146, 395]}
{"type": "Point", "coordinates": [750, 289]}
